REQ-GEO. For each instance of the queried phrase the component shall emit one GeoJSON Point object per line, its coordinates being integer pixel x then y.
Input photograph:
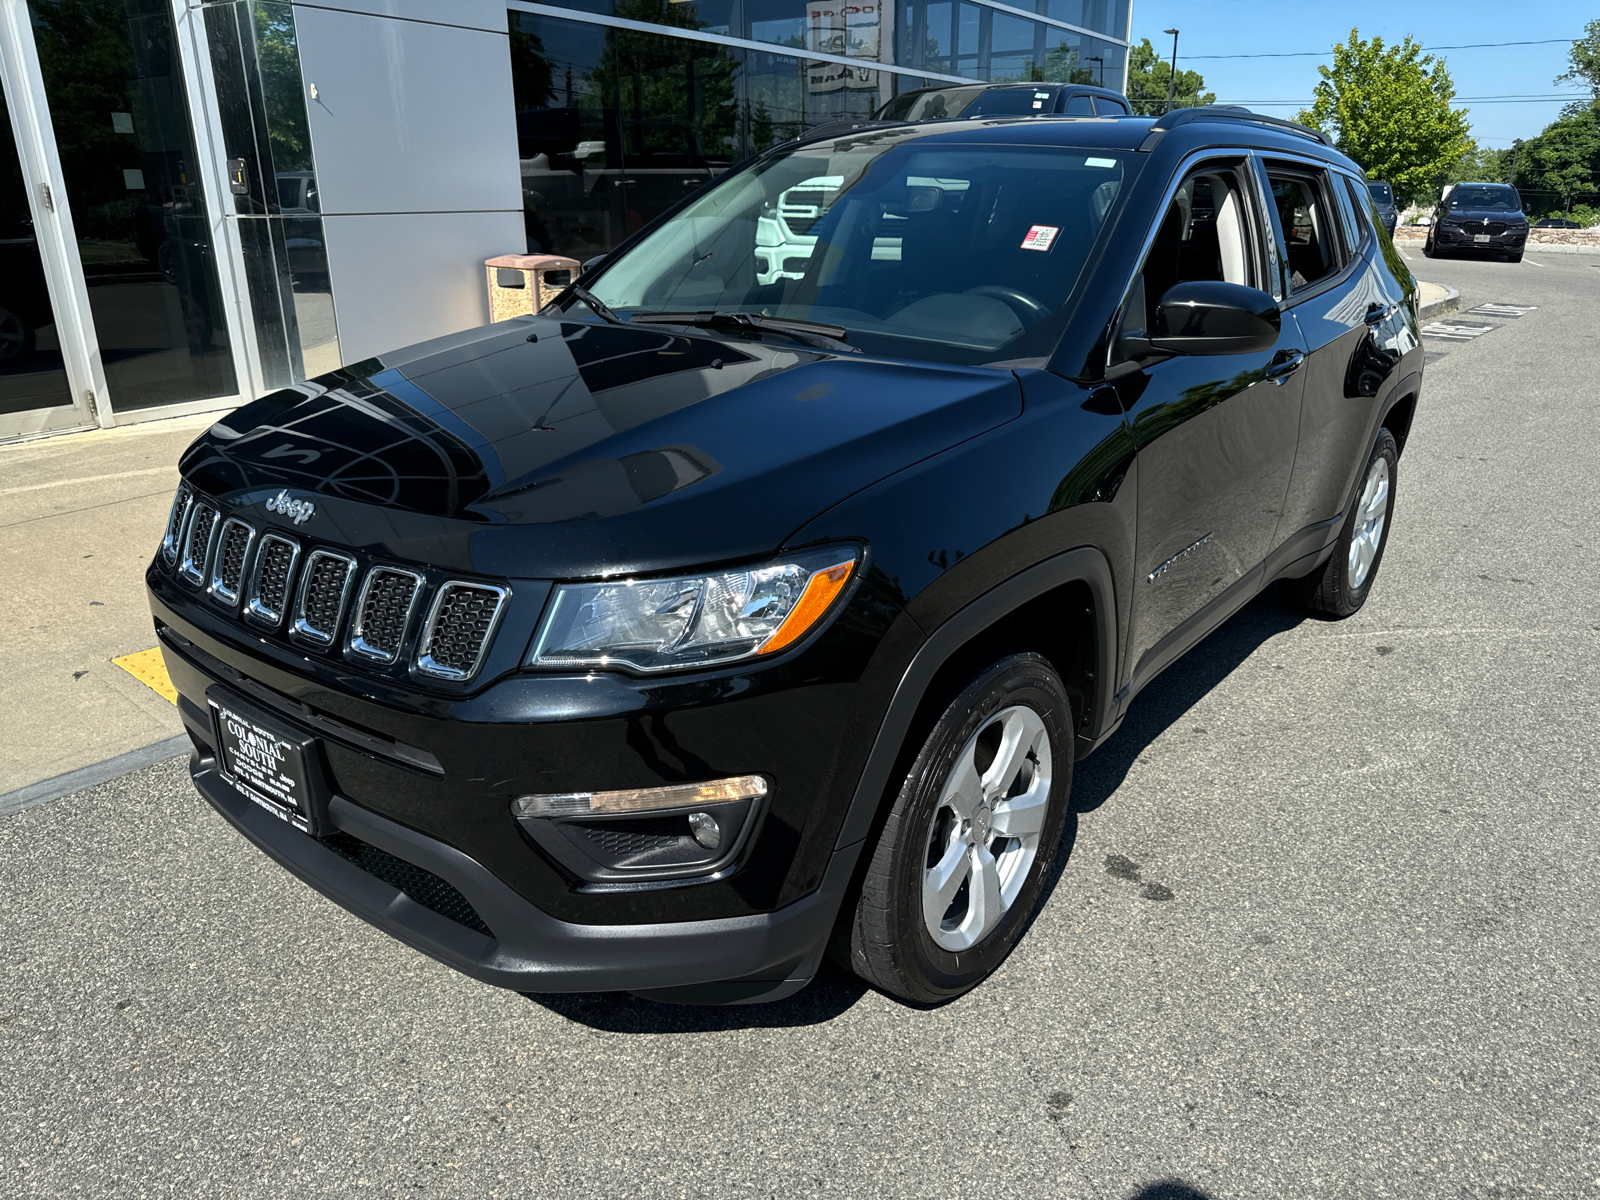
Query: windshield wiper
{"type": "Point", "coordinates": [808, 333]}
{"type": "Point", "coordinates": [599, 306]}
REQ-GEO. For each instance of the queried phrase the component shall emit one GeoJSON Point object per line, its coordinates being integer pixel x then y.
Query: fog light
{"type": "Point", "coordinates": [644, 800]}
{"type": "Point", "coordinates": [705, 829]}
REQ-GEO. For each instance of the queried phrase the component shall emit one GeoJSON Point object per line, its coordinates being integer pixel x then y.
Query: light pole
{"type": "Point", "coordinates": [1516, 147]}
{"type": "Point", "coordinates": [1172, 79]}
{"type": "Point", "coordinates": [1096, 58]}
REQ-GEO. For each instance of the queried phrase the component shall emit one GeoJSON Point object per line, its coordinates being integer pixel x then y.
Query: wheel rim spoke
{"type": "Point", "coordinates": [985, 906]}
{"type": "Point", "coordinates": [1016, 745]}
{"type": "Point", "coordinates": [945, 877]}
{"type": "Point", "coordinates": [1022, 816]}
{"type": "Point", "coordinates": [963, 791]}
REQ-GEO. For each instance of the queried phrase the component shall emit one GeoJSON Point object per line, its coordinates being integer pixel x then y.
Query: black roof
{"type": "Point", "coordinates": [1193, 127]}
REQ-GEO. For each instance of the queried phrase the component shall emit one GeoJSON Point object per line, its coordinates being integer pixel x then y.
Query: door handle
{"type": "Point", "coordinates": [1377, 312]}
{"type": "Point", "coordinates": [1284, 364]}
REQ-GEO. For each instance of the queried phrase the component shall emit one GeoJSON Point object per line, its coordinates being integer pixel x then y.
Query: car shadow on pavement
{"type": "Point", "coordinates": [1160, 706]}
{"type": "Point", "coordinates": [1169, 1189]}
{"type": "Point", "coordinates": [1177, 690]}
{"type": "Point", "coordinates": [831, 993]}
{"type": "Point", "coordinates": [834, 991]}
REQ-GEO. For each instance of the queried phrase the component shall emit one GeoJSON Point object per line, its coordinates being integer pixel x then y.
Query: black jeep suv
{"type": "Point", "coordinates": [710, 620]}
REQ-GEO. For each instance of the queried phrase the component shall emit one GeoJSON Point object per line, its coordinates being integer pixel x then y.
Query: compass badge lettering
{"type": "Point", "coordinates": [299, 511]}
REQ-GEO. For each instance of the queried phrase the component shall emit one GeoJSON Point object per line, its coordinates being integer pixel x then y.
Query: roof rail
{"type": "Point", "coordinates": [1228, 112]}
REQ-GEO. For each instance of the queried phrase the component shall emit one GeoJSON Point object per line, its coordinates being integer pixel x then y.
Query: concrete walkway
{"type": "Point", "coordinates": [80, 517]}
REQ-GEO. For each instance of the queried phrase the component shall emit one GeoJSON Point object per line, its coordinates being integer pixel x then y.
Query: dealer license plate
{"type": "Point", "coordinates": [1480, 237]}
{"type": "Point", "coordinates": [268, 763]}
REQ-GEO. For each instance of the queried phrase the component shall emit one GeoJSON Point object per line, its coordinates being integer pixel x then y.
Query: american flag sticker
{"type": "Point", "coordinates": [1040, 237]}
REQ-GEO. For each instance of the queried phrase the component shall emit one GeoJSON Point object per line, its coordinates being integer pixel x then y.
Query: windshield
{"type": "Point", "coordinates": [1381, 192]}
{"type": "Point", "coordinates": [1486, 199]}
{"type": "Point", "coordinates": [930, 105]}
{"type": "Point", "coordinates": [920, 249]}
{"type": "Point", "coordinates": [1011, 102]}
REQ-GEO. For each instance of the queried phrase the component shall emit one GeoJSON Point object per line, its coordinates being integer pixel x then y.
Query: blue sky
{"type": "Point", "coordinates": [1218, 27]}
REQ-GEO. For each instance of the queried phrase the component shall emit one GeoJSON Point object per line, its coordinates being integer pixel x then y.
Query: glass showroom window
{"type": "Point", "coordinates": [615, 126]}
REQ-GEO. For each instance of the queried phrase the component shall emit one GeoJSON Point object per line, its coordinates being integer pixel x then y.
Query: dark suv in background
{"type": "Point", "coordinates": [711, 620]}
{"type": "Point", "coordinates": [1478, 218]}
{"type": "Point", "coordinates": [1004, 100]}
{"type": "Point", "coordinates": [1383, 200]}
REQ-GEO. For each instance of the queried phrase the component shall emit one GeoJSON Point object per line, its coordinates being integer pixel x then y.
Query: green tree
{"type": "Point", "coordinates": [1148, 74]}
{"type": "Point", "coordinates": [1564, 160]}
{"type": "Point", "coordinates": [1388, 107]}
{"type": "Point", "coordinates": [282, 93]}
{"type": "Point", "coordinates": [1583, 61]}
{"type": "Point", "coordinates": [1485, 164]}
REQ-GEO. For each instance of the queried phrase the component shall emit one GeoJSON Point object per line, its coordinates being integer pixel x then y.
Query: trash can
{"type": "Point", "coordinates": [522, 284]}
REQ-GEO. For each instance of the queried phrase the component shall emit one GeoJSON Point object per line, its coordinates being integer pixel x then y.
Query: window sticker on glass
{"type": "Point", "coordinates": [1040, 237]}
{"type": "Point", "coordinates": [1099, 162]}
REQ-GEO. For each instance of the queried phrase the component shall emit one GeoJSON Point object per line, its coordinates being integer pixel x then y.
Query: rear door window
{"type": "Point", "coordinates": [1104, 106]}
{"type": "Point", "coordinates": [1309, 229]}
{"type": "Point", "coordinates": [1080, 106]}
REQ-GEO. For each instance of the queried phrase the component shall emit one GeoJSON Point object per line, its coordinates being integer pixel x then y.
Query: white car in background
{"type": "Point", "coordinates": [784, 240]}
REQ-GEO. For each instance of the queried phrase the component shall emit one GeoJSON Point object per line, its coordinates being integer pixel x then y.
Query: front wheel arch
{"type": "Point", "coordinates": [987, 622]}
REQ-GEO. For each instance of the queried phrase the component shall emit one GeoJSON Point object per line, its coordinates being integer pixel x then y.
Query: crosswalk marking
{"type": "Point", "coordinates": [1509, 311]}
{"type": "Point", "coordinates": [1456, 331]}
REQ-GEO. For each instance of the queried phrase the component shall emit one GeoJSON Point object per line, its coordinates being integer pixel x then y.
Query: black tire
{"type": "Point", "coordinates": [16, 338]}
{"type": "Point", "coordinates": [1514, 258]}
{"type": "Point", "coordinates": [890, 943]}
{"type": "Point", "coordinates": [1332, 590]}
{"type": "Point", "coordinates": [1427, 247]}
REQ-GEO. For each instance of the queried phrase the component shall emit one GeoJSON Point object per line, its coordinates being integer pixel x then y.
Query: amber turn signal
{"type": "Point", "coordinates": [820, 591]}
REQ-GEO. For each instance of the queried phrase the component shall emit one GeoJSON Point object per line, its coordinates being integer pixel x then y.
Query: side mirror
{"type": "Point", "coordinates": [590, 266]}
{"type": "Point", "coordinates": [1211, 317]}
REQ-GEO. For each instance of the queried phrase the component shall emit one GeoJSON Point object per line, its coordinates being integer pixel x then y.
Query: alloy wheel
{"type": "Point", "coordinates": [986, 827]}
{"type": "Point", "coordinates": [1371, 513]}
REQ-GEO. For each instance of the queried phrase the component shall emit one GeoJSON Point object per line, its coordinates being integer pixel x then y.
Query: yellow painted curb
{"type": "Point", "coordinates": [150, 669]}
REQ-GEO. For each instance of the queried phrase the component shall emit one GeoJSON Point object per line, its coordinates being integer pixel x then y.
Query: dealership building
{"type": "Point", "coordinates": [202, 202]}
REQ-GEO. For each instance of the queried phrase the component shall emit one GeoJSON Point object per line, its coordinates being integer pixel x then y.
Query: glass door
{"type": "Point", "coordinates": [114, 83]}
{"type": "Point", "coordinates": [36, 395]}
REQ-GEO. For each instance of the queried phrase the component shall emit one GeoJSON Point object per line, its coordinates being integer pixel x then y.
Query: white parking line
{"type": "Point", "coordinates": [1531, 263]}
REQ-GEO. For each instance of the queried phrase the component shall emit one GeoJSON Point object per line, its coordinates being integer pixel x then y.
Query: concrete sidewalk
{"type": "Point", "coordinates": [80, 516]}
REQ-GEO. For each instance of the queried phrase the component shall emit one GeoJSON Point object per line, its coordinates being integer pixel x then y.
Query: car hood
{"type": "Point", "coordinates": [545, 448]}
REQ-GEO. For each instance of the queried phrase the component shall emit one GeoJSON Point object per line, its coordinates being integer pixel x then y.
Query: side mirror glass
{"type": "Point", "coordinates": [1211, 317]}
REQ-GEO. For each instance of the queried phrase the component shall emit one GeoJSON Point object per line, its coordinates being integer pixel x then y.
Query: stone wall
{"type": "Point", "coordinates": [1536, 237]}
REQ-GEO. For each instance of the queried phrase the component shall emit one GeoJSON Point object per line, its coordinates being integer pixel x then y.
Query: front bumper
{"type": "Point", "coordinates": [760, 957]}
{"type": "Point", "coordinates": [1465, 239]}
{"type": "Point", "coordinates": [421, 785]}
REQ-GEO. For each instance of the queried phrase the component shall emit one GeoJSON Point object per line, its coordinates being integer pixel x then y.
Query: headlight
{"type": "Point", "coordinates": [692, 620]}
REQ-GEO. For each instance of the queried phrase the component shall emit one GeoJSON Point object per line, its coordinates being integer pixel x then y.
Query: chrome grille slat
{"type": "Point", "coordinates": [383, 613]}
{"type": "Point", "coordinates": [176, 516]}
{"type": "Point", "coordinates": [197, 543]}
{"type": "Point", "coordinates": [460, 626]}
{"type": "Point", "coordinates": [227, 567]}
{"type": "Point", "coordinates": [270, 577]}
{"type": "Point", "coordinates": [324, 590]}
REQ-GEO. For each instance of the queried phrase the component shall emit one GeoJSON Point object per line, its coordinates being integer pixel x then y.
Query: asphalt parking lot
{"type": "Point", "coordinates": [1327, 927]}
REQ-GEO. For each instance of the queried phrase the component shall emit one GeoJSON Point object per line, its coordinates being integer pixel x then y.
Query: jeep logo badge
{"type": "Point", "coordinates": [300, 511]}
